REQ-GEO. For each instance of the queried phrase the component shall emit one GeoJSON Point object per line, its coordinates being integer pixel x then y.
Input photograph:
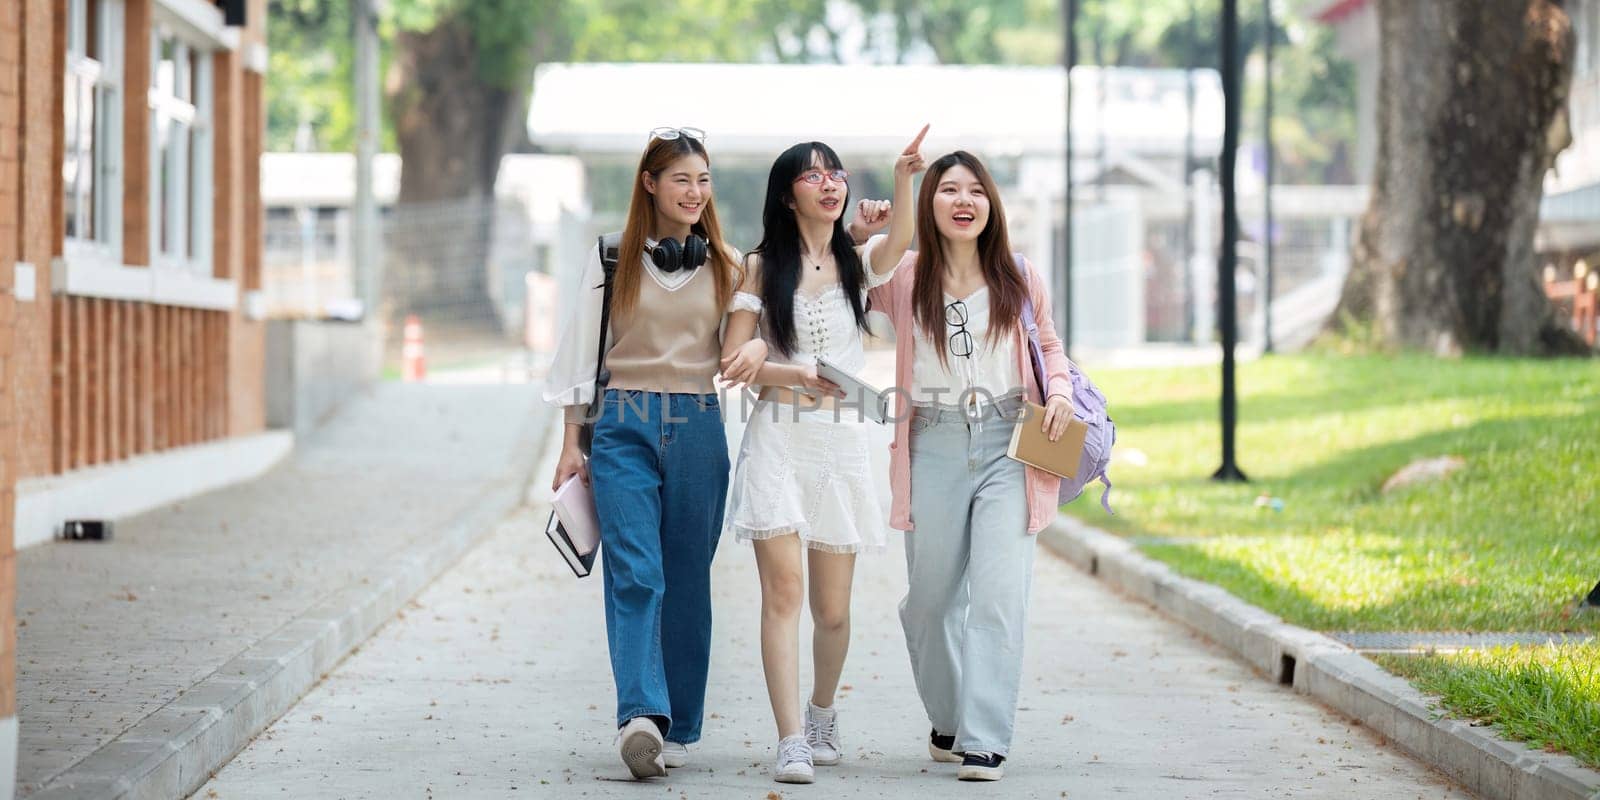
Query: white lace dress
{"type": "Point", "coordinates": [808, 472]}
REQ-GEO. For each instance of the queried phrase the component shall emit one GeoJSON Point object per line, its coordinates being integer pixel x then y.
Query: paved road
{"type": "Point", "coordinates": [495, 684]}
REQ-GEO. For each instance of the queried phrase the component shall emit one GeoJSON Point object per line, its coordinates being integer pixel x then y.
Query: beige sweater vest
{"type": "Point", "coordinates": [669, 342]}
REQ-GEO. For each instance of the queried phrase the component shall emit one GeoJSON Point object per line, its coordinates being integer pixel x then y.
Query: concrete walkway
{"type": "Point", "coordinates": [495, 683]}
{"type": "Point", "coordinates": [110, 634]}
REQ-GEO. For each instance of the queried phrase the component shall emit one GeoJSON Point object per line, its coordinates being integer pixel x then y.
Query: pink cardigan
{"type": "Point", "coordinates": [894, 299]}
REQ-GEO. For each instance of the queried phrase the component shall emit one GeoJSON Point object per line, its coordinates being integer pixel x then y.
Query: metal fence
{"type": "Point", "coordinates": [476, 273]}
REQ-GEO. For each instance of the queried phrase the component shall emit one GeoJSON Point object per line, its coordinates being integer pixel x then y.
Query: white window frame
{"type": "Point", "coordinates": [104, 79]}
{"type": "Point", "coordinates": [89, 270]}
{"type": "Point", "coordinates": [189, 194]}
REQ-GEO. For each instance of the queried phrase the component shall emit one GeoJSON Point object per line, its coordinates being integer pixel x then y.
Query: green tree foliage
{"type": "Point", "coordinates": [309, 73]}
{"type": "Point", "coordinates": [1314, 90]}
{"type": "Point", "coordinates": [312, 55]}
{"type": "Point", "coordinates": [698, 30]}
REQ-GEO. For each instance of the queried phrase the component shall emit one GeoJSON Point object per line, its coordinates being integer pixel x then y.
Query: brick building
{"type": "Point", "coordinates": [130, 133]}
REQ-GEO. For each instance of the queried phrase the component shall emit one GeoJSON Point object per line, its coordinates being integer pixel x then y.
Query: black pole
{"type": "Point", "coordinates": [1189, 289]}
{"type": "Point", "coordinates": [1100, 99]}
{"type": "Point", "coordinates": [1227, 311]}
{"type": "Point", "coordinates": [1266, 242]}
{"type": "Point", "coordinates": [1064, 289]}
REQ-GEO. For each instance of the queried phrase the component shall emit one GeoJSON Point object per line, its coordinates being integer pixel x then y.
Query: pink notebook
{"type": "Point", "coordinates": [574, 528]}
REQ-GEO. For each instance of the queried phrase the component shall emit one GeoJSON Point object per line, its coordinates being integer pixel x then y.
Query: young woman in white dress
{"type": "Point", "coordinates": [802, 489]}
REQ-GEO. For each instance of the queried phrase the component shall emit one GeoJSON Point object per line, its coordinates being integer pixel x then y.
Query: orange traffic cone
{"type": "Point", "coordinates": [413, 368]}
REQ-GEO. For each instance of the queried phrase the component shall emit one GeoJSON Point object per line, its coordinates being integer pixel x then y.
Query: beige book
{"type": "Point", "coordinates": [1031, 446]}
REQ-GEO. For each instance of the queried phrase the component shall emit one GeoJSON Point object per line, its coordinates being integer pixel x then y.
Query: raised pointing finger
{"type": "Point", "coordinates": [916, 143]}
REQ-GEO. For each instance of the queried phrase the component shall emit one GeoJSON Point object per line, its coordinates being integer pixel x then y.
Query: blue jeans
{"type": "Point", "coordinates": [659, 468]}
{"type": "Point", "coordinates": [969, 564]}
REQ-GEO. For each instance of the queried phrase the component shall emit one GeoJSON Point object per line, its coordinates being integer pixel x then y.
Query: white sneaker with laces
{"type": "Point", "coordinates": [794, 761]}
{"type": "Point", "coordinates": [822, 733]}
{"type": "Point", "coordinates": [639, 743]}
{"type": "Point", "coordinates": [675, 754]}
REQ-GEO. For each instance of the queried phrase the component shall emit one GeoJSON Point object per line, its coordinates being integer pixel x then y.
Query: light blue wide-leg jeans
{"type": "Point", "coordinates": [969, 563]}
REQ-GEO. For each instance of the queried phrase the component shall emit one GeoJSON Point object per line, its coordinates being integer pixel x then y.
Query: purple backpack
{"type": "Point", "coordinates": [1088, 405]}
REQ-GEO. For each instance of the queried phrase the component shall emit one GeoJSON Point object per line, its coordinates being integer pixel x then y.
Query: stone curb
{"type": "Point", "coordinates": [1329, 671]}
{"type": "Point", "coordinates": [176, 749]}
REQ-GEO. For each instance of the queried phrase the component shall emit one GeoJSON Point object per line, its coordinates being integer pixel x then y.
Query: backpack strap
{"type": "Point", "coordinates": [1030, 323]}
{"type": "Point", "coordinates": [608, 245]}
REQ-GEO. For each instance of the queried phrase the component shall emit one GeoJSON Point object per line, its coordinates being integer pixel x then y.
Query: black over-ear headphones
{"type": "Point", "coordinates": [670, 256]}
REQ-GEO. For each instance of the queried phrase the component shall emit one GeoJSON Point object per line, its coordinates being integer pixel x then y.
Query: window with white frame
{"type": "Point", "coordinates": [91, 167]}
{"type": "Point", "coordinates": [180, 152]}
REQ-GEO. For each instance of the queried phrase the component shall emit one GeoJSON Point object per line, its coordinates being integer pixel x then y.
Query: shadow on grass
{"type": "Point", "coordinates": [1519, 448]}
{"type": "Point", "coordinates": [1357, 385]}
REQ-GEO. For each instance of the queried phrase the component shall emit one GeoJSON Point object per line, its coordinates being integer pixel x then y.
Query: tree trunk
{"type": "Point", "coordinates": [1470, 93]}
{"type": "Point", "coordinates": [453, 127]}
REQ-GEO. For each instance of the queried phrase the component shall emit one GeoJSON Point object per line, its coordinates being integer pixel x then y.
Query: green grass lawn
{"type": "Point", "coordinates": [1546, 696]}
{"type": "Point", "coordinates": [1506, 544]}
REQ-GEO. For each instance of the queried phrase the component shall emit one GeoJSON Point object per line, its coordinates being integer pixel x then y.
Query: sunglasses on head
{"type": "Point", "coordinates": [669, 133]}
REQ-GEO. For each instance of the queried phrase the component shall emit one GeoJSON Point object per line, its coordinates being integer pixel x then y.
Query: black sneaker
{"type": "Point", "coordinates": [942, 748]}
{"type": "Point", "coordinates": [980, 766]}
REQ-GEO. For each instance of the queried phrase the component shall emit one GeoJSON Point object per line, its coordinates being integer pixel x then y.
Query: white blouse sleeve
{"type": "Point", "coordinates": [571, 380]}
{"type": "Point", "coordinates": [745, 301]}
{"type": "Point", "coordinates": [874, 280]}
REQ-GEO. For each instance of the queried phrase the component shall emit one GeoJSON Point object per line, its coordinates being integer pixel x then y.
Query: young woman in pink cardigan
{"type": "Point", "coordinates": [969, 511]}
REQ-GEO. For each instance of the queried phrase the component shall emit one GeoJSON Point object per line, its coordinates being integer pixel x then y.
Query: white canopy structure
{"type": "Point", "coordinates": [759, 109]}
{"type": "Point", "coordinates": [1129, 126]}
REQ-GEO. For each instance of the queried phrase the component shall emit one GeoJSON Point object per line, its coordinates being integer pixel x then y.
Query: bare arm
{"type": "Point", "coordinates": [741, 329]}
{"type": "Point", "coordinates": [902, 214]}
{"type": "Point", "coordinates": [742, 352]}
{"type": "Point", "coordinates": [744, 357]}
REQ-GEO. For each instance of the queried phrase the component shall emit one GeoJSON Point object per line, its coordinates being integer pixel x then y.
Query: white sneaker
{"type": "Point", "coordinates": [941, 747]}
{"type": "Point", "coordinates": [639, 742]}
{"type": "Point", "coordinates": [822, 733]}
{"type": "Point", "coordinates": [675, 754]}
{"type": "Point", "coordinates": [794, 761]}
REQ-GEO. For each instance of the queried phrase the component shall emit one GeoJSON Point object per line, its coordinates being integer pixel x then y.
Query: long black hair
{"type": "Point", "coordinates": [780, 245]}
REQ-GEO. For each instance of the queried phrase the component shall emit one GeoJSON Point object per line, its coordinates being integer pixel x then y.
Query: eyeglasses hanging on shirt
{"type": "Point", "coordinates": [961, 346]}
{"type": "Point", "coordinates": [955, 315]}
